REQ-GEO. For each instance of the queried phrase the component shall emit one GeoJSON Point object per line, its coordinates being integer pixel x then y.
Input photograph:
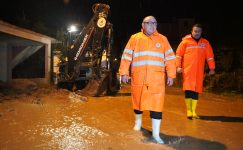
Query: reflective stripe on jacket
{"type": "Point", "coordinates": [148, 57]}
{"type": "Point", "coordinates": [191, 56]}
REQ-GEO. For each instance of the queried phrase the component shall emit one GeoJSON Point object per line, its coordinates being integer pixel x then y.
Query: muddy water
{"type": "Point", "coordinates": [54, 119]}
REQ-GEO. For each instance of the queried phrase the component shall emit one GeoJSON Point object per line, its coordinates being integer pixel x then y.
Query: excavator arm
{"type": "Point", "coordinates": [90, 69]}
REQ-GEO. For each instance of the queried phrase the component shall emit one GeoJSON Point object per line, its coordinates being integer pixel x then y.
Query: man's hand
{"type": "Point", "coordinates": [170, 81]}
{"type": "Point", "coordinates": [211, 72]}
{"type": "Point", "coordinates": [179, 70]}
{"type": "Point", "coordinates": [124, 78]}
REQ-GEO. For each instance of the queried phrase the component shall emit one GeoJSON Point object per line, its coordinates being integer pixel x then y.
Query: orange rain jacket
{"type": "Point", "coordinates": [191, 56]}
{"type": "Point", "coordinates": [149, 57]}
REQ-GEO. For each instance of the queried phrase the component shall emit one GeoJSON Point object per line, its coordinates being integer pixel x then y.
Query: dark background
{"type": "Point", "coordinates": [223, 20]}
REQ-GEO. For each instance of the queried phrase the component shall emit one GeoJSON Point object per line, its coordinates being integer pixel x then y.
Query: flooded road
{"type": "Point", "coordinates": [56, 119]}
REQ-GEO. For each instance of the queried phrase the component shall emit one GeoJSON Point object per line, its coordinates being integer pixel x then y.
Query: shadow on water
{"type": "Point", "coordinates": [184, 142]}
{"type": "Point", "coordinates": [222, 118]}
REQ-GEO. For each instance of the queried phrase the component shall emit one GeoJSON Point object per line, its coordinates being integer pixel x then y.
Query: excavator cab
{"type": "Point", "coordinates": [91, 69]}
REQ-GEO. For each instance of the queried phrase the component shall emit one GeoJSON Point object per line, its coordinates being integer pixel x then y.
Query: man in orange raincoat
{"type": "Point", "coordinates": [150, 55]}
{"type": "Point", "coordinates": [191, 55]}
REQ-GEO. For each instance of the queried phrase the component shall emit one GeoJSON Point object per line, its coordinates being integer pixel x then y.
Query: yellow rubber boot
{"type": "Point", "coordinates": [189, 107]}
{"type": "Point", "coordinates": [194, 106]}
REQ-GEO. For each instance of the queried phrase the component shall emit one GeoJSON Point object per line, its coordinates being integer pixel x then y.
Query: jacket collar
{"type": "Point", "coordinates": [154, 34]}
{"type": "Point", "coordinates": [189, 37]}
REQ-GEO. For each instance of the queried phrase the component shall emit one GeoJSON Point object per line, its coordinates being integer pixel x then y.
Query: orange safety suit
{"type": "Point", "coordinates": [191, 56]}
{"type": "Point", "coordinates": [149, 57]}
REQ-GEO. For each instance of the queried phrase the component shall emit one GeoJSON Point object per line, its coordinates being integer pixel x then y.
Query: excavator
{"type": "Point", "coordinates": [91, 68]}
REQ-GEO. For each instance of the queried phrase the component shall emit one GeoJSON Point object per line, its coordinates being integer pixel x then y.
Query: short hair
{"type": "Point", "coordinates": [197, 25]}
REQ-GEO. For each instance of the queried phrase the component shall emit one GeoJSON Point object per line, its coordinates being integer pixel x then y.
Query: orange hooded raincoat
{"type": "Point", "coordinates": [149, 58]}
{"type": "Point", "coordinates": [191, 56]}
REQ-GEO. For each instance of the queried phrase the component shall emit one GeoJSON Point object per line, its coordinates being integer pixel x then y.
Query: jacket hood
{"type": "Point", "coordinates": [187, 37]}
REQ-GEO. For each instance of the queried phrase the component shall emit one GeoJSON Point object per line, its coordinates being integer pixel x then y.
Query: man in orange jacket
{"type": "Point", "coordinates": [191, 55]}
{"type": "Point", "coordinates": [150, 56]}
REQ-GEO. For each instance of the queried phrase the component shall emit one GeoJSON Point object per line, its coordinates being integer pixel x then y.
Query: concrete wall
{"type": "Point", "coordinates": [10, 33]}
{"type": "Point", "coordinates": [4, 75]}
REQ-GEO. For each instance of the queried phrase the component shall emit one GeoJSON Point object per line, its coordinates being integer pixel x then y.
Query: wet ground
{"type": "Point", "coordinates": [58, 119]}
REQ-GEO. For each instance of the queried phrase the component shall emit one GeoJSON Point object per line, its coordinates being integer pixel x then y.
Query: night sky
{"type": "Point", "coordinates": [223, 18]}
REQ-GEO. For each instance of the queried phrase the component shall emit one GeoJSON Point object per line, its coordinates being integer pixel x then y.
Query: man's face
{"type": "Point", "coordinates": [149, 25]}
{"type": "Point", "coordinates": [196, 32]}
